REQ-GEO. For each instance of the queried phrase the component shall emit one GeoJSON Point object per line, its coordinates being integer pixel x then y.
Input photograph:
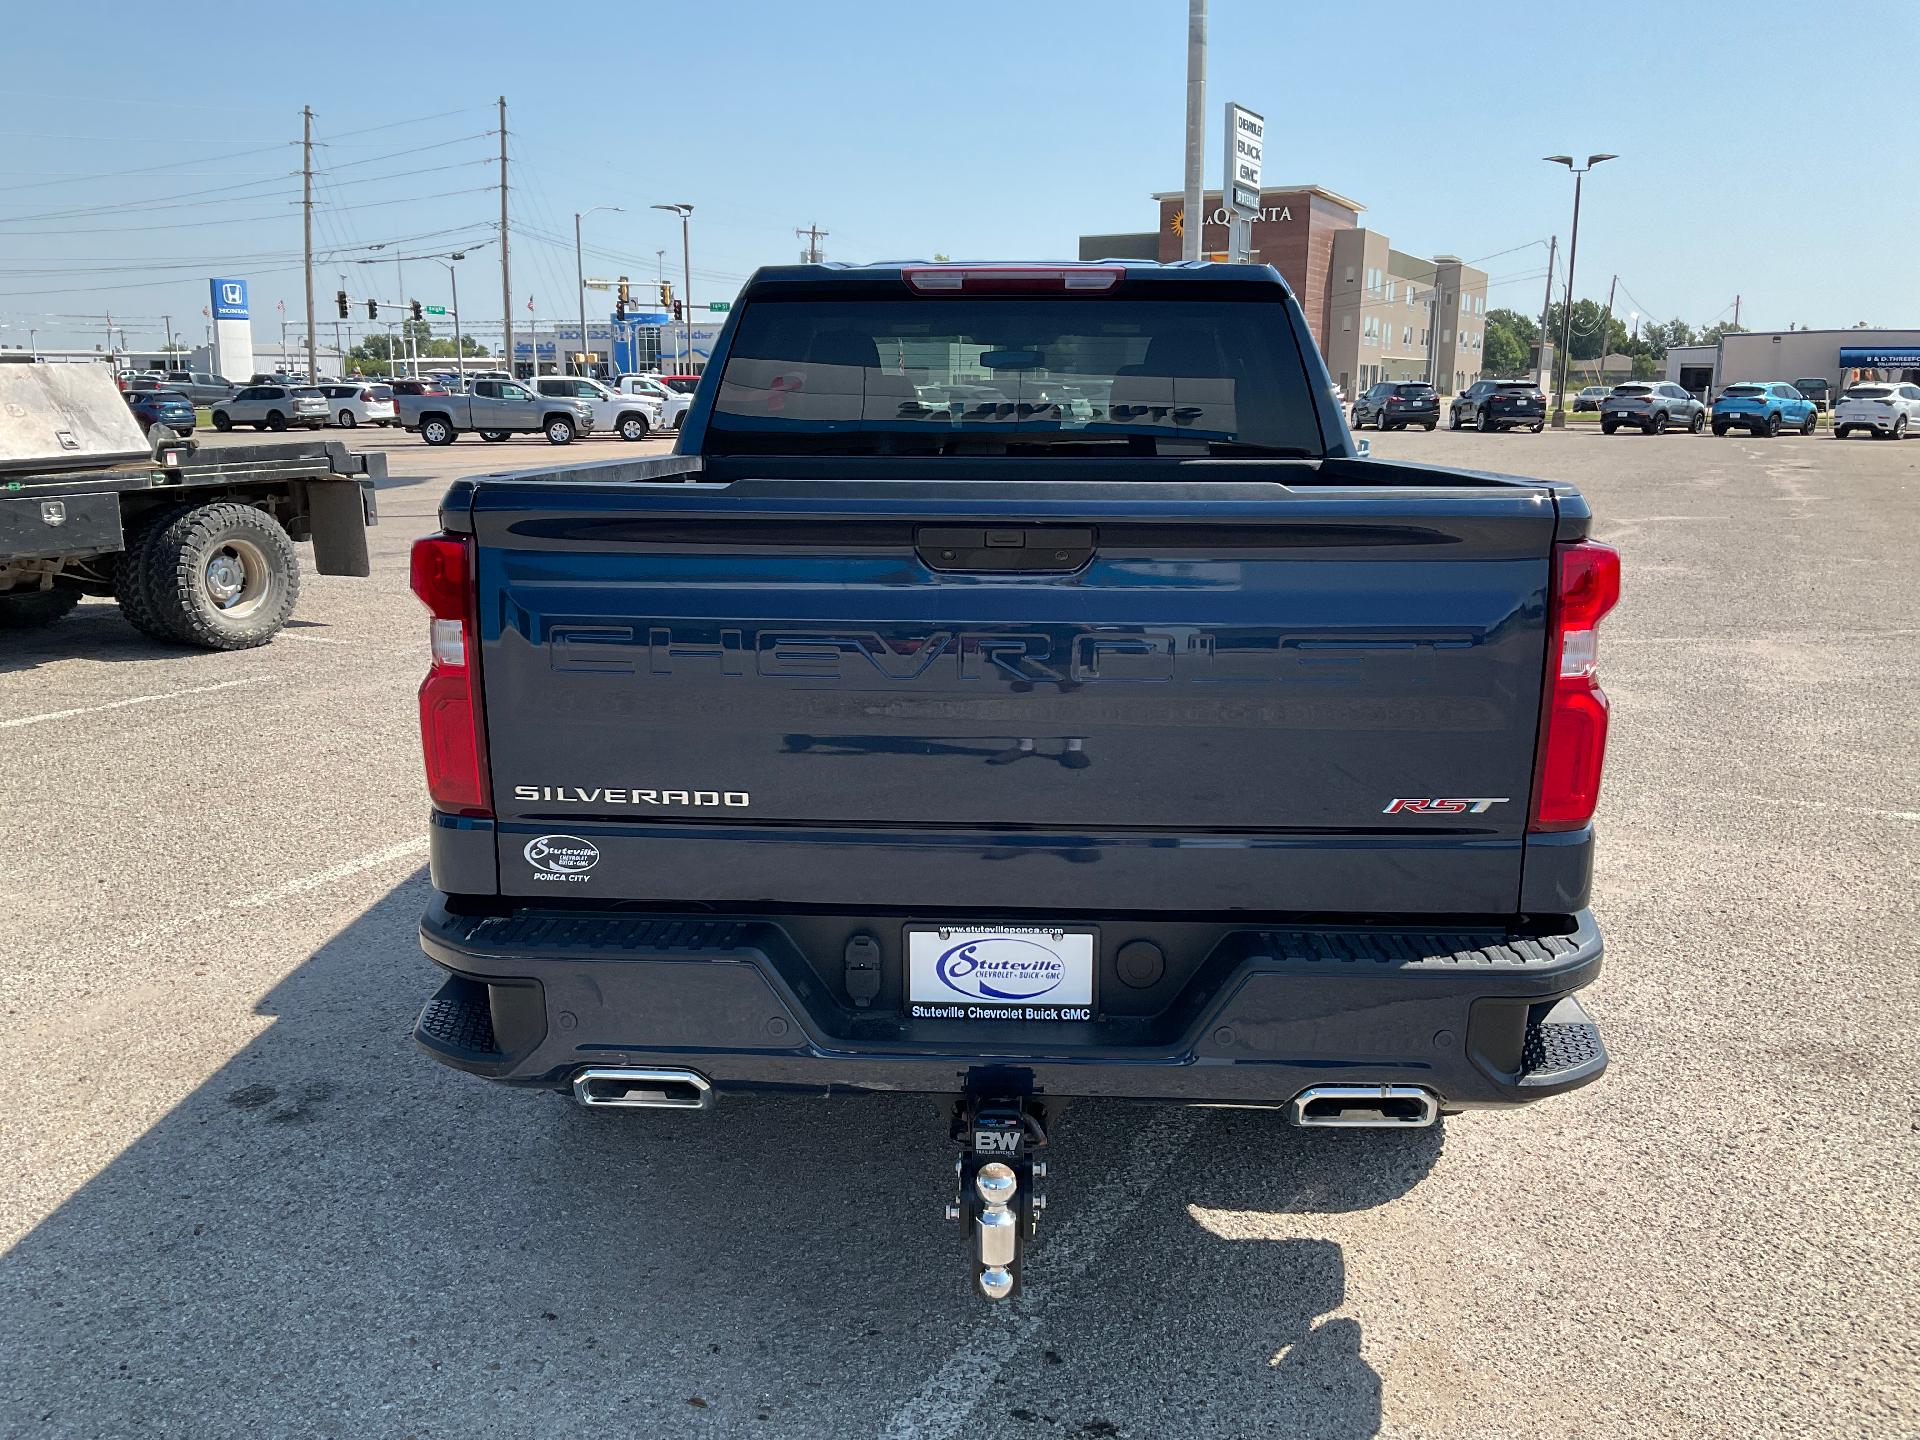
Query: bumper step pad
{"type": "Point", "coordinates": [1562, 1045]}
{"type": "Point", "coordinates": [458, 1022]}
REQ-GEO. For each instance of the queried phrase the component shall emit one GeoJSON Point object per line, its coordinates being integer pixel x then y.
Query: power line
{"type": "Point", "coordinates": [396, 124]}
{"type": "Point", "coordinates": [145, 169]}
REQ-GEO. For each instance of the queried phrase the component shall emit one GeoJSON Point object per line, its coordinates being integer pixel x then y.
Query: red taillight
{"type": "Point", "coordinates": [1573, 724]}
{"type": "Point", "coordinates": [450, 732]}
{"type": "Point", "coordinates": [985, 279]}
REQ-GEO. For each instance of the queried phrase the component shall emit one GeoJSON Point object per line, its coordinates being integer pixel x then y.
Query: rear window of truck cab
{"type": "Point", "coordinates": [859, 374]}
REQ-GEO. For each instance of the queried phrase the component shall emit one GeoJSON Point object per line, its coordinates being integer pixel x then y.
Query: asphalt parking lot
{"type": "Point", "coordinates": [239, 1203]}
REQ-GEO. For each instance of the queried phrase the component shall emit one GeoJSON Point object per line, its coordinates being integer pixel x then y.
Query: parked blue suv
{"type": "Point", "coordinates": [1764, 407]}
{"type": "Point", "coordinates": [164, 408]}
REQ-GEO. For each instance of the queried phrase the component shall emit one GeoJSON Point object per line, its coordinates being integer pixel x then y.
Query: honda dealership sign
{"type": "Point", "coordinates": [232, 329]}
{"type": "Point", "coordinates": [229, 299]}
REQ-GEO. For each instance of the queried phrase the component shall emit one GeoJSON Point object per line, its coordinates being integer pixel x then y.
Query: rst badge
{"type": "Point", "coordinates": [1434, 805]}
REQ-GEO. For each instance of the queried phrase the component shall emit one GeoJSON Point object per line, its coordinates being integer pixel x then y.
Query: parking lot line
{"type": "Point", "coordinates": [132, 700]}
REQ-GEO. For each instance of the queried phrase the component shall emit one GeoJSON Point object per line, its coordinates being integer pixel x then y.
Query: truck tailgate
{"type": "Point", "coordinates": [1014, 695]}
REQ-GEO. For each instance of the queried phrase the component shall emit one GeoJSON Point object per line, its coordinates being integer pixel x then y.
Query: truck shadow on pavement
{"type": "Point", "coordinates": [94, 631]}
{"type": "Point", "coordinates": [332, 1235]}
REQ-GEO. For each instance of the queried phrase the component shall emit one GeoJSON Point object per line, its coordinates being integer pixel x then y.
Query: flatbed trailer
{"type": "Point", "coordinates": [195, 545]}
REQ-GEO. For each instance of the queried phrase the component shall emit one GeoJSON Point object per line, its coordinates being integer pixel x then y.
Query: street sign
{"type": "Point", "coordinates": [592, 283]}
{"type": "Point", "coordinates": [435, 309]}
{"type": "Point", "coordinates": [1246, 138]}
{"type": "Point", "coordinates": [719, 306]}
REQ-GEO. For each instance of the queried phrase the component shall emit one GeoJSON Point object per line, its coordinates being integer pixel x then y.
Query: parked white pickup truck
{"type": "Point", "coordinates": [631, 417]}
{"type": "Point", "coordinates": [673, 404]}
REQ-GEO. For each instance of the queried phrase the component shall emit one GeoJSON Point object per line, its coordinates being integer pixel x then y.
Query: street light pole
{"type": "Point", "coordinates": [685, 212]}
{"type": "Point", "coordinates": [459, 344]}
{"type": "Point", "coordinates": [1573, 254]}
{"type": "Point", "coordinates": [1195, 190]}
{"type": "Point", "coordinates": [580, 281]}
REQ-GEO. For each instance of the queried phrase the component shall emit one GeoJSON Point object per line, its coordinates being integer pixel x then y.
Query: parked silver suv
{"type": "Point", "coordinates": [1653, 406]}
{"type": "Point", "coordinates": [272, 407]}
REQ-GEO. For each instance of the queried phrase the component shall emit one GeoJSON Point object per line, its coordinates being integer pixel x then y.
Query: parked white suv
{"type": "Point", "coordinates": [631, 417]}
{"type": "Point", "coordinates": [673, 404]}
{"type": "Point", "coordinates": [360, 404]}
{"type": "Point", "coordinates": [1887, 409]}
{"type": "Point", "coordinates": [272, 407]}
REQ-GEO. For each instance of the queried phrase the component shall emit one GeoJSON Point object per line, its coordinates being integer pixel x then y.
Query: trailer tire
{"type": "Point", "coordinates": [222, 576]}
{"type": "Point", "coordinates": [35, 609]}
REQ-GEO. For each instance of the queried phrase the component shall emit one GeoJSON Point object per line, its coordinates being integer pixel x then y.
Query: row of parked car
{"type": "Point", "coordinates": [165, 402]}
{"type": "Point", "coordinates": [1886, 409]}
{"type": "Point", "coordinates": [1485, 405]}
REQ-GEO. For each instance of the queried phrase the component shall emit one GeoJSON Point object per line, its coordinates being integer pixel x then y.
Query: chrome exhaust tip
{"type": "Point", "coordinates": [1365, 1107]}
{"type": "Point", "coordinates": [624, 1088]}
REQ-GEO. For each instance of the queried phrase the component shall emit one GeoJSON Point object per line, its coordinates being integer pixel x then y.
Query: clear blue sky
{"type": "Point", "coordinates": [981, 129]}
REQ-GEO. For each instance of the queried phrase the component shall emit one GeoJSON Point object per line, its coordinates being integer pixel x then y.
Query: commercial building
{"type": "Point", "coordinates": [1836, 356]}
{"type": "Point", "coordinates": [1375, 312]}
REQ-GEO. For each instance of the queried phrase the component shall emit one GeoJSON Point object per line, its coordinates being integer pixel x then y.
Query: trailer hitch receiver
{"type": "Point", "coordinates": [999, 1201]}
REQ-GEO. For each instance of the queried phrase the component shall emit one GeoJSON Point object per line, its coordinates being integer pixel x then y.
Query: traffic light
{"type": "Point", "coordinates": [626, 296]}
{"type": "Point", "coordinates": [373, 309]}
{"type": "Point", "coordinates": [416, 309]}
{"type": "Point", "coordinates": [666, 295]}
{"type": "Point", "coordinates": [676, 312]}
{"type": "Point", "coordinates": [340, 298]}
{"type": "Point", "coordinates": [620, 309]}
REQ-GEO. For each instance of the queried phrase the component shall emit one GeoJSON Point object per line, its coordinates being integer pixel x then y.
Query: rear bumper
{"type": "Point", "coordinates": [1481, 1017]}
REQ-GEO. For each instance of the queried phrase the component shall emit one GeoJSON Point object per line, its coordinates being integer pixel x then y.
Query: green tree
{"type": "Point", "coordinates": [1506, 354]}
{"type": "Point", "coordinates": [1662, 336]}
{"type": "Point", "coordinates": [1588, 317]}
{"type": "Point", "coordinates": [1711, 335]}
{"type": "Point", "coordinates": [1523, 327]}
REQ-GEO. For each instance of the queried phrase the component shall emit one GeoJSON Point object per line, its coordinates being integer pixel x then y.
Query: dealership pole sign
{"type": "Point", "coordinates": [1246, 138]}
{"type": "Point", "coordinates": [232, 328]}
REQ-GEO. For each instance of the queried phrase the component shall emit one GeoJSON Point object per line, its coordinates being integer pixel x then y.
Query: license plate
{"type": "Point", "coordinates": [999, 972]}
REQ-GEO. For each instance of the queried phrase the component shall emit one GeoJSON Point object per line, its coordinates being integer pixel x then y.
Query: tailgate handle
{"type": "Point", "coordinates": [1029, 548]}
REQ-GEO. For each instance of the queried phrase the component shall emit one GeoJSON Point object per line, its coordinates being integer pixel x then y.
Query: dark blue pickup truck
{"type": "Point", "coordinates": [1017, 687]}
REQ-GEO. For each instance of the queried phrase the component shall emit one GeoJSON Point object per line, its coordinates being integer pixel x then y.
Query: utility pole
{"type": "Point", "coordinates": [1736, 312]}
{"type": "Point", "coordinates": [1196, 128]}
{"type": "Point", "coordinates": [1546, 310]}
{"type": "Point", "coordinates": [506, 274]}
{"type": "Point", "coordinates": [169, 322]}
{"type": "Point", "coordinates": [1606, 331]}
{"type": "Point", "coordinates": [338, 348]}
{"type": "Point", "coordinates": [306, 215]}
{"type": "Point", "coordinates": [812, 235]}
